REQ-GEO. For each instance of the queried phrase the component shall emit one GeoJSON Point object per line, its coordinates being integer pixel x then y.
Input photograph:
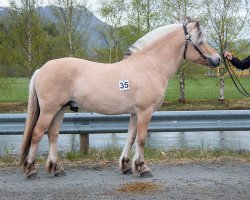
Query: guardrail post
{"type": "Point", "coordinates": [84, 142]}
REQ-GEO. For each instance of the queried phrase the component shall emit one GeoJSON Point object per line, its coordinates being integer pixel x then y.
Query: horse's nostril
{"type": "Point", "coordinates": [218, 60]}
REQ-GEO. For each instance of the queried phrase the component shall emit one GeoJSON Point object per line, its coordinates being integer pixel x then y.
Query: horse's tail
{"type": "Point", "coordinates": [31, 119]}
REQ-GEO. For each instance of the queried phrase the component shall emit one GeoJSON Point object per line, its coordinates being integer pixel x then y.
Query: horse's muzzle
{"type": "Point", "coordinates": [214, 61]}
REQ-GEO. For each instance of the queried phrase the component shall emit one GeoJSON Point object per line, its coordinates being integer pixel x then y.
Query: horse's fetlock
{"type": "Point", "coordinates": [125, 160]}
{"type": "Point", "coordinates": [51, 166]}
{"type": "Point", "coordinates": [139, 162]}
{"type": "Point", "coordinates": [28, 166]}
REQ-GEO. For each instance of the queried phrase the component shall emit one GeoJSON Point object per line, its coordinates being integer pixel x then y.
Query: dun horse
{"type": "Point", "coordinates": [135, 85]}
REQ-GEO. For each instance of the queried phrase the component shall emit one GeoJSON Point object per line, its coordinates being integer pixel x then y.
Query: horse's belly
{"type": "Point", "coordinates": [108, 106]}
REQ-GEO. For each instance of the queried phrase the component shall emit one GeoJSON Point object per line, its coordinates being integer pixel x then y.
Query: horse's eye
{"type": "Point", "coordinates": [200, 43]}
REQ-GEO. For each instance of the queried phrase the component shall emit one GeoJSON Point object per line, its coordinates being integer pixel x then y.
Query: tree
{"type": "Point", "coordinates": [144, 15]}
{"type": "Point", "coordinates": [69, 14]}
{"type": "Point", "coordinates": [128, 20]}
{"type": "Point", "coordinates": [179, 10]}
{"type": "Point", "coordinates": [227, 21]}
{"type": "Point", "coordinates": [113, 13]}
{"type": "Point", "coordinates": [25, 35]}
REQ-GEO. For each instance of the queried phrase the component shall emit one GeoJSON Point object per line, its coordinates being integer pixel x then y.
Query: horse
{"type": "Point", "coordinates": [135, 85]}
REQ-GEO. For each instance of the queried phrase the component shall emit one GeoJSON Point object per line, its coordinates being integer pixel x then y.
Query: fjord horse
{"type": "Point", "coordinates": [135, 85]}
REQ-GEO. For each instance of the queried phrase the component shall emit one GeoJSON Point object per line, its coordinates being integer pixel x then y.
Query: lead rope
{"type": "Point", "coordinates": [235, 80]}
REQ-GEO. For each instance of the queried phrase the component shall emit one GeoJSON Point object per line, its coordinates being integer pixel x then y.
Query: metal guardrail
{"type": "Point", "coordinates": [171, 121]}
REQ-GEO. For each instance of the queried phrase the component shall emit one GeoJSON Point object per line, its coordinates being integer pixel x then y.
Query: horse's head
{"type": "Point", "coordinates": [196, 48]}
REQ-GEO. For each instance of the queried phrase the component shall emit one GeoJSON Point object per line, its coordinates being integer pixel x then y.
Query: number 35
{"type": "Point", "coordinates": [124, 85]}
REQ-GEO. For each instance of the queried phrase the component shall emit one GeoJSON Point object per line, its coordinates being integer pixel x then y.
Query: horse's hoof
{"type": "Point", "coordinates": [128, 171]}
{"type": "Point", "coordinates": [33, 175]}
{"type": "Point", "coordinates": [60, 173]}
{"type": "Point", "coordinates": [146, 174]}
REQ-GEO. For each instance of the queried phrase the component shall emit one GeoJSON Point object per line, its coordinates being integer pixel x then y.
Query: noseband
{"type": "Point", "coordinates": [188, 39]}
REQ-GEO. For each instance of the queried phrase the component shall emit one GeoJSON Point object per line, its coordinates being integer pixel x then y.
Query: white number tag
{"type": "Point", "coordinates": [124, 85]}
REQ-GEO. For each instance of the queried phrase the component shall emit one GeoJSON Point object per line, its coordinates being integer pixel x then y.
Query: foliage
{"type": "Point", "coordinates": [27, 40]}
{"type": "Point", "coordinates": [227, 20]}
{"type": "Point", "coordinates": [68, 14]}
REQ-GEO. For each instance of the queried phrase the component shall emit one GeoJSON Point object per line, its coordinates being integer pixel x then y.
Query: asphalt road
{"type": "Point", "coordinates": [205, 180]}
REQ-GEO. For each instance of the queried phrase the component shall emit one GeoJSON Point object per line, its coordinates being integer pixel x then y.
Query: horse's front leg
{"type": "Point", "coordinates": [53, 132]}
{"type": "Point", "coordinates": [124, 161]}
{"type": "Point", "coordinates": [138, 163]}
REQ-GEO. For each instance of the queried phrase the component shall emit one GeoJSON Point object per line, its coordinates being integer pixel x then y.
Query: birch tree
{"type": "Point", "coordinates": [144, 15]}
{"type": "Point", "coordinates": [228, 21]}
{"type": "Point", "coordinates": [114, 14]}
{"type": "Point", "coordinates": [179, 10]}
{"type": "Point", "coordinates": [25, 32]}
{"type": "Point", "coordinates": [69, 14]}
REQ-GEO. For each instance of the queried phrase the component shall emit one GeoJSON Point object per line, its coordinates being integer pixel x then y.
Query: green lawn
{"type": "Point", "coordinates": [16, 89]}
{"type": "Point", "coordinates": [206, 88]}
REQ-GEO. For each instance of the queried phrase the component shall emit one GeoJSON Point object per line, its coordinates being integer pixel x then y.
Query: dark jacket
{"type": "Point", "coordinates": [241, 64]}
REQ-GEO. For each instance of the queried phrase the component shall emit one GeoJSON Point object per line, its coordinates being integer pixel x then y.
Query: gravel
{"type": "Point", "coordinates": [224, 179]}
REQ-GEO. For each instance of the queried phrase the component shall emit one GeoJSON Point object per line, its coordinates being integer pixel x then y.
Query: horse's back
{"type": "Point", "coordinates": [67, 64]}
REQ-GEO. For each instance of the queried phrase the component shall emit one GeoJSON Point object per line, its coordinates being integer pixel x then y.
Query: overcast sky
{"type": "Point", "coordinates": [92, 4]}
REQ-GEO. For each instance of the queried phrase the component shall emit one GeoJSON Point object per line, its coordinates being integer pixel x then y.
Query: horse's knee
{"type": "Point", "coordinates": [36, 138]}
{"type": "Point", "coordinates": [141, 142]}
{"type": "Point", "coordinates": [53, 137]}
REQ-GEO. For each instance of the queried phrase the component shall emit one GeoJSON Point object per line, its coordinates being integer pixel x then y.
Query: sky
{"type": "Point", "coordinates": [92, 4]}
{"type": "Point", "coordinates": [5, 3]}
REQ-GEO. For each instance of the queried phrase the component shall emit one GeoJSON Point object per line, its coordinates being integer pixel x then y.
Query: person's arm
{"type": "Point", "coordinates": [241, 64]}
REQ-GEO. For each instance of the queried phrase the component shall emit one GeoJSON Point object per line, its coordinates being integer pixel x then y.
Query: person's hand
{"type": "Point", "coordinates": [228, 55]}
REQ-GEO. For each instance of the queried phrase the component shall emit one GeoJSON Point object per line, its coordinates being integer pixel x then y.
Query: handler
{"type": "Point", "coordinates": [240, 64]}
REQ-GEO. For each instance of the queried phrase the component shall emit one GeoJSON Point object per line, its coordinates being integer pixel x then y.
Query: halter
{"type": "Point", "coordinates": [188, 39]}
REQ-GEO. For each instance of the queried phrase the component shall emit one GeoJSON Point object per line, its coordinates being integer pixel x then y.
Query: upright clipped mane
{"type": "Point", "coordinates": [197, 35]}
{"type": "Point", "coordinates": [151, 37]}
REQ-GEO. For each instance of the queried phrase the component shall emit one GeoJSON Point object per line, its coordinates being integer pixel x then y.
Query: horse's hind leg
{"type": "Point", "coordinates": [124, 164]}
{"type": "Point", "coordinates": [53, 132]}
{"type": "Point", "coordinates": [42, 124]}
{"type": "Point", "coordinates": [138, 163]}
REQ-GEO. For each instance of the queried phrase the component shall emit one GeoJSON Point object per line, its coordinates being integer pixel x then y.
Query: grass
{"type": "Point", "coordinates": [201, 94]}
{"type": "Point", "coordinates": [112, 154]}
{"type": "Point", "coordinates": [14, 89]}
{"type": "Point", "coordinates": [205, 88]}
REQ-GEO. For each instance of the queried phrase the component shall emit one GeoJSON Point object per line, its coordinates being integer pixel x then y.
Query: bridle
{"type": "Point", "coordinates": [188, 39]}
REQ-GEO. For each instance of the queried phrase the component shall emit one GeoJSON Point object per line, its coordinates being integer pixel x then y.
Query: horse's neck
{"type": "Point", "coordinates": [165, 55]}
{"type": "Point", "coordinates": [168, 53]}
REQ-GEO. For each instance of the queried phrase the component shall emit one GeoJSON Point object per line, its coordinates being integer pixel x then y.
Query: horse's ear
{"type": "Point", "coordinates": [187, 19]}
{"type": "Point", "coordinates": [197, 25]}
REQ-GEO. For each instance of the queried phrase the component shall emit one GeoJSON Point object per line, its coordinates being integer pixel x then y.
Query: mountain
{"type": "Point", "coordinates": [89, 22]}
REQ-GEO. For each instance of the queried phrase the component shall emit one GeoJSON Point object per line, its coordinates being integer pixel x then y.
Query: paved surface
{"type": "Point", "coordinates": [215, 180]}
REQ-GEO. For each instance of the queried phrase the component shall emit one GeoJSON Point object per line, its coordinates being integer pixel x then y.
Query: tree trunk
{"type": "Point", "coordinates": [29, 15]}
{"type": "Point", "coordinates": [222, 85]}
{"type": "Point", "coordinates": [182, 84]}
{"type": "Point", "coordinates": [69, 10]}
